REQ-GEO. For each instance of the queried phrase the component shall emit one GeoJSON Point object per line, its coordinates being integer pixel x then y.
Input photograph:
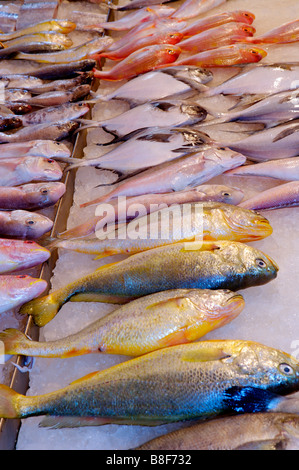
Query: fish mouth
{"type": "Point", "coordinates": [272, 262]}
{"type": "Point", "coordinates": [255, 230]}
{"type": "Point", "coordinates": [234, 305]}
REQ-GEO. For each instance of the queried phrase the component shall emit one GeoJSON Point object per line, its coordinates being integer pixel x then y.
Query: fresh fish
{"type": "Point", "coordinates": [64, 70]}
{"type": "Point", "coordinates": [212, 265]}
{"type": "Point", "coordinates": [202, 24]}
{"type": "Point", "coordinates": [218, 36]}
{"type": "Point", "coordinates": [152, 322]}
{"type": "Point", "coordinates": [61, 26]}
{"type": "Point", "coordinates": [136, 17]}
{"type": "Point", "coordinates": [249, 431]}
{"type": "Point", "coordinates": [20, 170]}
{"type": "Point", "coordinates": [161, 113]}
{"type": "Point", "coordinates": [24, 224]}
{"type": "Point", "coordinates": [160, 84]}
{"type": "Point", "coordinates": [225, 56]}
{"type": "Point", "coordinates": [285, 169]}
{"type": "Point", "coordinates": [9, 122]}
{"type": "Point", "coordinates": [52, 114]}
{"type": "Point", "coordinates": [261, 79]}
{"type": "Point", "coordinates": [284, 195]}
{"type": "Point", "coordinates": [16, 80]}
{"type": "Point", "coordinates": [169, 385]}
{"type": "Point", "coordinates": [286, 33]}
{"type": "Point", "coordinates": [84, 78]}
{"type": "Point", "coordinates": [15, 94]}
{"type": "Point", "coordinates": [18, 108]}
{"type": "Point", "coordinates": [274, 143]}
{"type": "Point", "coordinates": [173, 224]}
{"type": "Point", "coordinates": [144, 60]}
{"type": "Point", "coordinates": [16, 290]}
{"type": "Point", "coordinates": [124, 209]}
{"type": "Point", "coordinates": [160, 37]}
{"type": "Point", "coordinates": [191, 8]}
{"type": "Point", "coordinates": [32, 47]}
{"type": "Point", "coordinates": [274, 109]}
{"type": "Point", "coordinates": [45, 37]}
{"type": "Point", "coordinates": [49, 131]}
{"type": "Point", "coordinates": [40, 148]}
{"type": "Point", "coordinates": [56, 98]}
{"type": "Point", "coordinates": [82, 51]}
{"type": "Point", "coordinates": [188, 171]}
{"type": "Point", "coordinates": [31, 196]}
{"type": "Point", "coordinates": [134, 4]}
{"type": "Point", "coordinates": [40, 11]}
{"type": "Point", "coordinates": [21, 254]}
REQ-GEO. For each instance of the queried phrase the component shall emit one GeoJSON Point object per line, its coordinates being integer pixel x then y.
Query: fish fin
{"type": "Point", "coordinates": [43, 309]}
{"type": "Point", "coordinates": [59, 422]}
{"type": "Point", "coordinates": [9, 402]}
{"type": "Point", "coordinates": [177, 337]}
{"type": "Point", "coordinates": [85, 377]}
{"type": "Point", "coordinates": [105, 254]}
{"type": "Point", "coordinates": [286, 133]}
{"type": "Point", "coordinates": [270, 444]}
{"type": "Point", "coordinates": [175, 301]}
{"type": "Point", "coordinates": [14, 341]}
{"type": "Point", "coordinates": [50, 243]}
{"type": "Point", "coordinates": [201, 246]}
{"type": "Point", "coordinates": [205, 355]}
{"type": "Point", "coordinates": [97, 297]}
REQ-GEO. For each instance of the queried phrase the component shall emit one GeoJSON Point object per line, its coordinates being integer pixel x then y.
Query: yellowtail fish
{"type": "Point", "coordinates": [250, 431]}
{"type": "Point", "coordinates": [208, 265]}
{"type": "Point", "coordinates": [124, 209]}
{"type": "Point", "coordinates": [16, 290]}
{"type": "Point", "coordinates": [20, 254]}
{"type": "Point", "coordinates": [225, 56]}
{"type": "Point", "coordinates": [76, 53]}
{"type": "Point", "coordinates": [61, 26]}
{"type": "Point", "coordinates": [183, 382]}
{"type": "Point", "coordinates": [152, 322]}
{"type": "Point", "coordinates": [180, 222]}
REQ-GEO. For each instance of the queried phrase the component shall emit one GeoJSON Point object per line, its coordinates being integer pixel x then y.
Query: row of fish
{"type": "Point", "coordinates": [173, 291]}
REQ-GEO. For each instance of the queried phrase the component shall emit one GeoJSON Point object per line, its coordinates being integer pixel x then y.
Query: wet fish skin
{"type": "Point", "coordinates": [31, 196]}
{"type": "Point", "coordinates": [49, 36]}
{"type": "Point", "coordinates": [285, 169]}
{"type": "Point", "coordinates": [213, 265]}
{"type": "Point", "coordinates": [259, 430]}
{"type": "Point", "coordinates": [18, 107]}
{"type": "Point", "coordinates": [208, 221]}
{"type": "Point", "coordinates": [62, 26]}
{"type": "Point", "coordinates": [144, 60]}
{"type": "Point", "coordinates": [284, 195]}
{"type": "Point", "coordinates": [20, 254]}
{"type": "Point", "coordinates": [31, 48]}
{"type": "Point", "coordinates": [144, 325]}
{"type": "Point", "coordinates": [24, 224]}
{"type": "Point", "coordinates": [191, 8]}
{"type": "Point", "coordinates": [63, 70]}
{"type": "Point", "coordinates": [40, 148]}
{"type": "Point", "coordinates": [286, 33]}
{"type": "Point", "coordinates": [225, 56]}
{"type": "Point", "coordinates": [59, 97]}
{"type": "Point", "coordinates": [20, 170]}
{"type": "Point", "coordinates": [211, 21]}
{"type": "Point", "coordinates": [85, 78]}
{"type": "Point", "coordinates": [49, 131]}
{"type": "Point", "coordinates": [52, 114]}
{"type": "Point", "coordinates": [186, 372]}
{"type": "Point", "coordinates": [187, 171]}
{"type": "Point", "coordinates": [208, 192]}
{"type": "Point", "coordinates": [16, 290]}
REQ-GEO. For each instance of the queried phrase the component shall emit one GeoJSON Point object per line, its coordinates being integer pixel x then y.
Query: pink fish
{"type": "Point", "coordinates": [284, 195]}
{"type": "Point", "coordinates": [20, 170]}
{"type": "Point", "coordinates": [226, 56]}
{"type": "Point", "coordinates": [32, 196]}
{"type": "Point", "coordinates": [20, 254]}
{"type": "Point", "coordinates": [198, 26]}
{"type": "Point", "coordinates": [141, 61]}
{"type": "Point", "coordinates": [17, 290]}
{"type": "Point", "coordinates": [286, 33]}
{"type": "Point", "coordinates": [213, 38]}
{"type": "Point", "coordinates": [191, 8]}
{"type": "Point", "coordinates": [24, 224]}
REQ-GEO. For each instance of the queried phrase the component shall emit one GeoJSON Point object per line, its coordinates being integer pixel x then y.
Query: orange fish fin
{"type": "Point", "coordinates": [57, 422]}
{"type": "Point", "coordinates": [199, 245]}
{"type": "Point", "coordinates": [205, 354]}
{"type": "Point", "coordinates": [177, 337]}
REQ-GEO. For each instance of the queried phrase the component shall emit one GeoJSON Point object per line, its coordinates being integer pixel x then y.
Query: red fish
{"type": "Point", "coordinates": [141, 61]}
{"type": "Point", "coordinates": [238, 16]}
{"type": "Point", "coordinates": [223, 35]}
{"type": "Point", "coordinates": [150, 40]}
{"type": "Point", "coordinates": [225, 56]}
{"type": "Point", "coordinates": [191, 8]}
{"type": "Point", "coordinates": [286, 33]}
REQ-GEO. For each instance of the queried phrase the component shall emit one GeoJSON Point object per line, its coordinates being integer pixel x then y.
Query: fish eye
{"type": "Point", "coordinates": [260, 263]}
{"type": "Point", "coordinates": [170, 51]}
{"type": "Point", "coordinates": [286, 369]}
{"type": "Point", "coordinates": [29, 242]}
{"type": "Point", "coordinates": [44, 191]}
{"type": "Point", "coordinates": [21, 276]}
{"type": "Point", "coordinates": [221, 148]}
{"type": "Point", "coordinates": [253, 51]}
{"type": "Point", "coordinates": [30, 222]}
{"type": "Point", "coordinates": [50, 160]}
{"type": "Point", "coordinates": [225, 193]}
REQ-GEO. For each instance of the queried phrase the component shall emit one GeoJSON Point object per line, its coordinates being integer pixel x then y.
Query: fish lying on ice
{"type": "Point", "coordinates": [286, 33]}
{"type": "Point", "coordinates": [125, 210]}
{"type": "Point", "coordinates": [197, 380]}
{"type": "Point", "coordinates": [48, 131]}
{"type": "Point", "coordinates": [31, 196]}
{"type": "Point", "coordinates": [39, 148]}
{"type": "Point", "coordinates": [59, 97]}
{"type": "Point", "coordinates": [59, 71]}
{"type": "Point", "coordinates": [53, 114]}
{"type": "Point", "coordinates": [62, 26]}
{"type": "Point", "coordinates": [15, 290]}
{"type": "Point", "coordinates": [249, 431]}
{"type": "Point", "coordinates": [285, 169]}
{"type": "Point", "coordinates": [20, 170]}
{"type": "Point", "coordinates": [141, 326]}
{"type": "Point", "coordinates": [20, 254]}
{"type": "Point", "coordinates": [180, 222]}
{"type": "Point", "coordinates": [212, 265]}
{"type": "Point", "coordinates": [24, 224]}
{"type": "Point", "coordinates": [284, 195]}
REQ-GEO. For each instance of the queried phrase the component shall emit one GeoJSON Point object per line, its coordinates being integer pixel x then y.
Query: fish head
{"type": "Point", "coordinates": [216, 307]}
{"type": "Point", "coordinates": [35, 224]}
{"type": "Point", "coordinates": [246, 225]}
{"type": "Point", "coordinates": [221, 193]}
{"type": "Point", "coordinates": [251, 54]}
{"type": "Point", "coordinates": [272, 369]}
{"type": "Point", "coordinates": [245, 30]}
{"type": "Point", "coordinates": [225, 157]}
{"type": "Point", "coordinates": [46, 169]}
{"type": "Point", "coordinates": [34, 251]}
{"type": "Point", "coordinates": [50, 148]}
{"type": "Point", "coordinates": [244, 16]}
{"type": "Point", "coordinates": [51, 192]}
{"type": "Point", "coordinates": [64, 26]}
{"type": "Point", "coordinates": [25, 287]}
{"type": "Point", "coordinates": [173, 37]}
{"type": "Point", "coordinates": [167, 54]}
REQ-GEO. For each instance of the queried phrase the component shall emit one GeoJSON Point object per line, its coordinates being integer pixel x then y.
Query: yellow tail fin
{"type": "Point", "coordinates": [42, 310]}
{"type": "Point", "coordinates": [9, 400]}
{"type": "Point", "coordinates": [14, 341]}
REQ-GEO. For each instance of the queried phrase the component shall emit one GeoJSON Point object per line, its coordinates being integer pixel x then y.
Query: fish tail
{"type": "Point", "coordinates": [99, 200]}
{"type": "Point", "coordinates": [51, 243]}
{"type": "Point", "coordinates": [15, 342]}
{"type": "Point", "coordinates": [82, 230]}
{"type": "Point", "coordinates": [43, 309]}
{"type": "Point", "coordinates": [88, 124]}
{"type": "Point", "coordinates": [10, 402]}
